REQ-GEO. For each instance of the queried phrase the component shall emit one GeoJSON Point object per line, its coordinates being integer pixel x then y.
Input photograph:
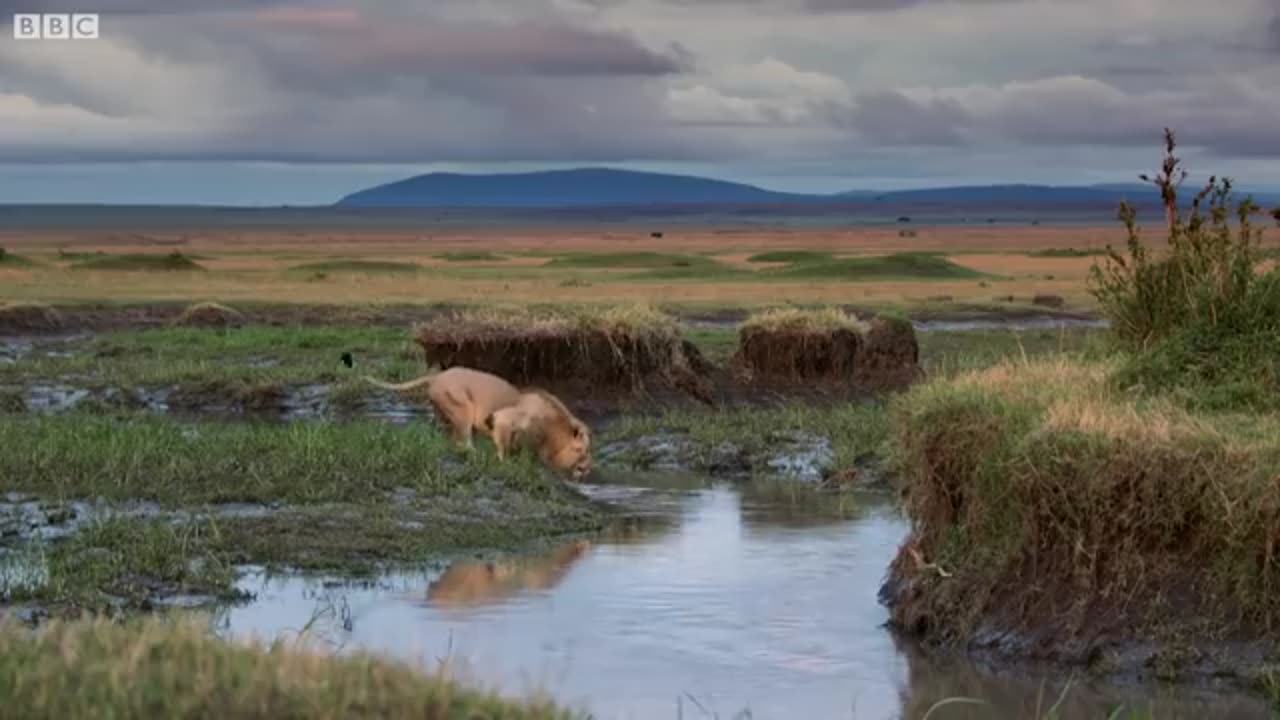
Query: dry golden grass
{"type": "Point", "coordinates": [248, 266]}
{"type": "Point", "coordinates": [798, 320]}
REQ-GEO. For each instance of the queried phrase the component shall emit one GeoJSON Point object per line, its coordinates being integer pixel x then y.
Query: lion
{"type": "Point", "coordinates": [538, 420]}
{"type": "Point", "coordinates": [463, 398]}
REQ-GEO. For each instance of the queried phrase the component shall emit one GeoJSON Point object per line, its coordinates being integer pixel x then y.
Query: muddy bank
{"type": "Point", "coordinates": [1054, 521]}
{"type": "Point", "coordinates": [102, 317]}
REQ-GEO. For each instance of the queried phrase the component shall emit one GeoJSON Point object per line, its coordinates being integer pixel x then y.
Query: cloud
{"type": "Point", "coordinates": [727, 83]}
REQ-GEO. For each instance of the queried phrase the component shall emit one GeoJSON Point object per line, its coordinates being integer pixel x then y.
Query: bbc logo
{"type": "Point", "coordinates": [55, 26]}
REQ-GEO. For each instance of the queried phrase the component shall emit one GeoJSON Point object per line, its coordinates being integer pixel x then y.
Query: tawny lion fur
{"type": "Point", "coordinates": [462, 397]}
{"type": "Point", "coordinates": [538, 420]}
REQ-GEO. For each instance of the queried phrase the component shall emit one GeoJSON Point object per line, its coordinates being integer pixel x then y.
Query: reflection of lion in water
{"type": "Point", "coordinates": [476, 582]}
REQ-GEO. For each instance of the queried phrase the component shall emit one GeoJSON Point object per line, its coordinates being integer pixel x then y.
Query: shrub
{"type": "Point", "coordinates": [1199, 320]}
{"type": "Point", "coordinates": [1207, 270]}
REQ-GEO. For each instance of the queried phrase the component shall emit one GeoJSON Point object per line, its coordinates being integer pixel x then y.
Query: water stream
{"type": "Point", "coordinates": [720, 605]}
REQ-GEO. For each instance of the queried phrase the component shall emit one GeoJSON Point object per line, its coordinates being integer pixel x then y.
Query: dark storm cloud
{"type": "Point", "coordinates": [819, 6]}
{"type": "Point", "coordinates": [130, 7]}
{"type": "Point", "coordinates": [891, 118]}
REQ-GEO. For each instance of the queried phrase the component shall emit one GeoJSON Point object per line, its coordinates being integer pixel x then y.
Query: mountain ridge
{"type": "Point", "coordinates": [615, 187]}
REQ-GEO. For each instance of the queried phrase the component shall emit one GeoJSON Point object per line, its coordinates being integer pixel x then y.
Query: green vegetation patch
{"type": "Point", "coordinates": [630, 260]}
{"type": "Point", "coordinates": [1069, 252]}
{"type": "Point", "coordinates": [83, 669]}
{"type": "Point", "coordinates": [471, 256]}
{"type": "Point", "coordinates": [10, 259]}
{"type": "Point", "coordinates": [790, 256]}
{"type": "Point", "coordinates": [351, 497]}
{"type": "Point", "coordinates": [898, 266]}
{"type": "Point", "coordinates": [357, 266]}
{"type": "Point", "coordinates": [174, 261]}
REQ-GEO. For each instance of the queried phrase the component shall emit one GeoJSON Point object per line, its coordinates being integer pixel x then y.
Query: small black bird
{"type": "Point", "coordinates": [347, 360]}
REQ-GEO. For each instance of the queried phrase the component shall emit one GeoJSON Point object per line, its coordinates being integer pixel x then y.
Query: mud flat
{"type": "Point", "coordinates": [1054, 519]}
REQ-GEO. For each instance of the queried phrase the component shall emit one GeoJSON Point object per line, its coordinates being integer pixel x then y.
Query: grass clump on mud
{"type": "Point", "coordinates": [1119, 510]}
{"type": "Point", "coordinates": [174, 261]}
{"type": "Point", "coordinates": [1046, 504]}
{"type": "Point", "coordinates": [182, 670]}
{"type": "Point", "coordinates": [210, 314]}
{"type": "Point", "coordinates": [829, 345]}
{"type": "Point", "coordinates": [24, 317]}
{"type": "Point", "coordinates": [898, 266]}
{"type": "Point", "coordinates": [621, 346]}
{"type": "Point", "coordinates": [357, 266]}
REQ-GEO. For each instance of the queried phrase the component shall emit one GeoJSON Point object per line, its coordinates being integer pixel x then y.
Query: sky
{"type": "Point", "coordinates": [266, 102]}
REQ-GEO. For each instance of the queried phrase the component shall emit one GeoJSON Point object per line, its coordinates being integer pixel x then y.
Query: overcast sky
{"type": "Point", "coordinates": [265, 102]}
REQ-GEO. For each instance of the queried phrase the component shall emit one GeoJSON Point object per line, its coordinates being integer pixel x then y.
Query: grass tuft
{"type": "Point", "coordinates": [178, 668]}
{"type": "Point", "coordinates": [1059, 507]}
{"type": "Point", "coordinates": [817, 320]}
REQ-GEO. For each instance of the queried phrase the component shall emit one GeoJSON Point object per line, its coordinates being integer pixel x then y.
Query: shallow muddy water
{"type": "Point", "coordinates": [718, 605]}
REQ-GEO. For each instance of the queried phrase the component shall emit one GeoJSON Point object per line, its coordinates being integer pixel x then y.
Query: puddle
{"type": "Point", "coordinates": [1038, 322]}
{"type": "Point", "coordinates": [53, 397]}
{"type": "Point", "coordinates": [797, 456]}
{"type": "Point", "coordinates": [720, 608]}
{"type": "Point", "coordinates": [26, 518]}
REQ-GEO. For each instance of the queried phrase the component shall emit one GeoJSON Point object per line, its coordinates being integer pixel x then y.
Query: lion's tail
{"type": "Point", "coordinates": [408, 385]}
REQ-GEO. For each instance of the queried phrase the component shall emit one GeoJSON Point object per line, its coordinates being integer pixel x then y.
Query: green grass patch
{"type": "Point", "coordinates": [349, 497]}
{"type": "Point", "coordinates": [180, 669]}
{"type": "Point", "coordinates": [10, 259]}
{"type": "Point", "coordinates": [630, 261]}
{"type": "Point", "coordinates": [70, 456]}
{"type": "Point", "coordinates": [948, 352]}
{"type": "Point", "coordinates": [790, 256]}
{"type": "Point", "coordinates": [174, 261]}
{"type": "Point", "coordinates": [1069, 252]}
{"type": "Point", "coordinates": [245, 357]}
{"type": "Point", "coordinates": [898, 266]}
{"type": "Point", "coordinates": [471, 256]}
{"type": "Point", "coordinates": [357, 266]}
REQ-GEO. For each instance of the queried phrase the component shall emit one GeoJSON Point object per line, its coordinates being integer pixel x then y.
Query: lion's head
{"type": "Point", "coordinates": [571, 451]}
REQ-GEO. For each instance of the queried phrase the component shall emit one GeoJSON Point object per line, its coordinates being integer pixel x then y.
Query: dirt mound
{"type": "Point", "coordinates": [17, 318]}
{"type": "Point", "coordinates": [210, 314]}
{"type": "Point", "coordinates": [1054, 518]}
{"type": "Point", "coordinates": [628, 348]}
{"type": "Point", "coordinates": [826, 345]}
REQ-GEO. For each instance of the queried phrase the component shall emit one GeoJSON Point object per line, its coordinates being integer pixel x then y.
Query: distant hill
{"type": "Point", "coordinates": [605, 187]}
{"type": "Point", "coordinates": [562, 188]}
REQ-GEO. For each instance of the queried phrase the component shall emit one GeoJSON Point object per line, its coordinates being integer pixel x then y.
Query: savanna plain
{"type": "Point", "coordinates": [1064, 465]}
